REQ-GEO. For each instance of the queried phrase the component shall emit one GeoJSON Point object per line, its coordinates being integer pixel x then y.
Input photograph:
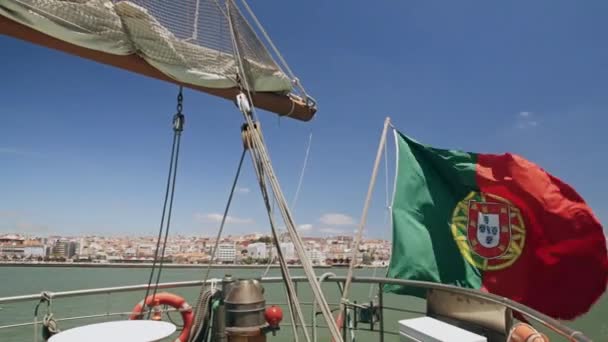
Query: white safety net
{"type": "Point", "coordinates": [188, 40]}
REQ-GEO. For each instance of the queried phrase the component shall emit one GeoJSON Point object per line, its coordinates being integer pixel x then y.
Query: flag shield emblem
{"type": "Point", "coordinates": [489, 230]}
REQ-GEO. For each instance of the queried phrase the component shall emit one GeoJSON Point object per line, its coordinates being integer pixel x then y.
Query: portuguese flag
{"type": "Point", "coordinates": [498, 223]}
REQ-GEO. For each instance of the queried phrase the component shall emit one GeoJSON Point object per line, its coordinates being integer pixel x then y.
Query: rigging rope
{"type": "Point", "coordinates": [178, 127]}
{"type": "Point", "coordinates": [290, 225]}
{"type": "Point", "coordinates": [371, 286]}
{"type": "Point", "coordinates": [294, 305]}
{"type": "Point", "coordinates": [297, 193]}
{"type": "Point", "coordinates": [276, 51]}
{"type": "Point", "coordinates": [197, 309]}
{"type": "Point", "coordinates": [267, 267]}
{"type": "Point", "coordinates": [269, 263]}
{"type": "Point", "coordinates": [204, 311]}
{"type": "Point", "coordinates": [248, 112]}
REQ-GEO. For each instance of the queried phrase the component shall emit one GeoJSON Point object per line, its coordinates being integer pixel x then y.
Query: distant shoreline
{"type": "Point", "coordinates": [148, 265]}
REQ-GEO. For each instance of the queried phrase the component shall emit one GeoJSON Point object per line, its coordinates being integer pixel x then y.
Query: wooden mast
{"type": "Point", "coordinates": [279, 104]}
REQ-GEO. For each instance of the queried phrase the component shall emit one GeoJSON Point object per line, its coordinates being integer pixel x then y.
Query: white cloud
{"type": "Point", "coordinates": [243, 190]}
{"type": "Point", "coordinates": [526, 120]}
{"type": "Point", "coordinates": [337, 219]}
{"type": "Point", "coordinates": [331, 230]}
{"type": "Point", "coordinates": [215, 217]}
{"type": "Point", "coordinates": [305, 227]}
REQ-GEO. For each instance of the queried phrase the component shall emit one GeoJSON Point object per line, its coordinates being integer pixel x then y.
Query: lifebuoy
{"type": "Point", "coordinates": [522, 332]}
{"type": "Point", "coordinates": [173, 300]}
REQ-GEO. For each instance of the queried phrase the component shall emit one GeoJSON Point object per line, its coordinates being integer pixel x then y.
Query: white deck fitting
{"type": "Point", "coordinates": [117, 331]}
{"type": "Point", "coordinates": [425, 329]}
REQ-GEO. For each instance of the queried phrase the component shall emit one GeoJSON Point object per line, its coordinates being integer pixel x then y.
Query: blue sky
{"type": "Point", "coordinates": [84, 148]}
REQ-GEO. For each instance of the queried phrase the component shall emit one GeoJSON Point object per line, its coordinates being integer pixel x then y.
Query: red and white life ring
{"type": "Point", "coordinates": [172, 300]}
{"type": "Point", "coordinates": [522, 332]}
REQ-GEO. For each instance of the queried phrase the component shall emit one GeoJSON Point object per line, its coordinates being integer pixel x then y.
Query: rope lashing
{"type": "Point", "coordinates": [246, 134]}
{"type": "Point", "coordinates": [49, 325]}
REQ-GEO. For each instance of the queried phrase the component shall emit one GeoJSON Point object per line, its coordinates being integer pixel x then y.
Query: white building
{"type": "Point", "coordinates": [17, 246]}
{"type": "Point", "coordinates": [64, 248]}
{"type": "Point", "coordinates": [289, 251]}
{"type": "Point", "coordinates": [171, 250]}
{"type": "Point", "coordinates": [317, 257]}
{"type": "Point", "coordinates": [23, 250]}
{"type": "Point", "coordinates": [226, 252]}
{"type": "Point", "coordinates": [257, 250]}
{"type": "Point", "coordinates": [145, 250]}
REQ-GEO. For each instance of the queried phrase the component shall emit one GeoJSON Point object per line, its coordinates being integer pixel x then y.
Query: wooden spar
{"type": "Point", "coordinates": [281, 105]}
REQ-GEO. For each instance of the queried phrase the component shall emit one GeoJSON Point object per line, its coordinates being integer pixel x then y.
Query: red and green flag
{"type": "Point", "coordinates": [498, 223]}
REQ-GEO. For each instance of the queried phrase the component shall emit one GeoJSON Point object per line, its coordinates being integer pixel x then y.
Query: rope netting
{"type": "Point", "coordinates": [188, 40]}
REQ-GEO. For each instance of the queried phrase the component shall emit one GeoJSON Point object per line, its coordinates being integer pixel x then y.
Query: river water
{"type": "Point", "coordinates": [27, 280]}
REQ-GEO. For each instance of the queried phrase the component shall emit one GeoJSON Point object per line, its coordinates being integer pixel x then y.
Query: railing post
{"type": "Point", "coordinates": [381, 304]}
{"type": "Point", "coordinates": [314, 319]}
{"type": "Point", "coordinates": [109, 303]}
{"type": "Point", "coordinates": [344, 322]}
{"type": "Point", "coordinates": [371, 319]}
{"type": "Point", "coordinates": [355, 316]}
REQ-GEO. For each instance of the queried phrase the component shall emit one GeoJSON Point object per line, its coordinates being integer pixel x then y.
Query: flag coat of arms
{"type": "Point", "coordinates": [498, 223]}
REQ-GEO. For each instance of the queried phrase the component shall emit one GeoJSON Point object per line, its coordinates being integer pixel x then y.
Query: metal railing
{"type": "Point", "coordinates": [548, 322]}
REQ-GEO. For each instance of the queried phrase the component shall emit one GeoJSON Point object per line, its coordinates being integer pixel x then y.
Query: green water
{"type": "Point", "coordinates": [27, 280]}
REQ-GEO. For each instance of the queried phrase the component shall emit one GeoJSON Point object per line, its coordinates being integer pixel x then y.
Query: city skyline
{"type": "Point", "coordinates": [242, 249]}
